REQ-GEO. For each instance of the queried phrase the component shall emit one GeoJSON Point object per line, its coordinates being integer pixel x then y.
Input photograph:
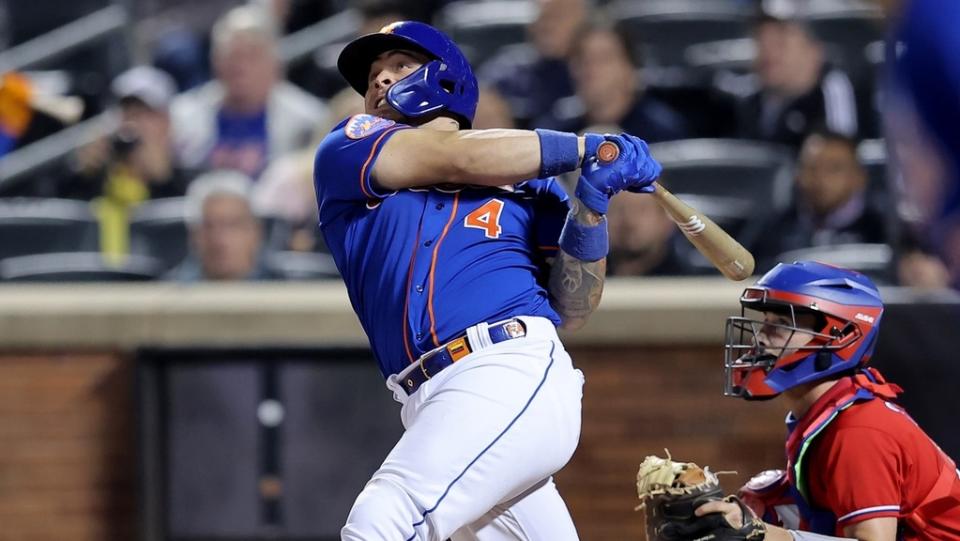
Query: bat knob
{"type": "Point", "coordinates": [607, 152]}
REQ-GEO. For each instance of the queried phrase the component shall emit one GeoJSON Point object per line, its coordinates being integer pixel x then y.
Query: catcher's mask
{"type": "Point", "coordinates": [445, 83]}
{"type": "Point", "coordinates": [802, 322]}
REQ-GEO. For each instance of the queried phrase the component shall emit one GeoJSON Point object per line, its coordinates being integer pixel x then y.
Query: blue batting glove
{"type": "Point", "coordinates": [649, 169]}
{"type": "Point", "coordinates": [633, 169]}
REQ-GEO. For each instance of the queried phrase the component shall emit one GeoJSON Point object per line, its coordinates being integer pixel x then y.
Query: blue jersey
{"type": "Point", "coordinates": [423, 264]}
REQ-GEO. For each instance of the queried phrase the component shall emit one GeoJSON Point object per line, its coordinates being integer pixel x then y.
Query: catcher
{"type": "Point", "coordinates": [858, 467]}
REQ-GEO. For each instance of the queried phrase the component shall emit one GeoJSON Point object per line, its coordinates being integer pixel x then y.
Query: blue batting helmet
{"type": "Point", "coordinates": [846, 307]}
{"type": "Point", "coordinates": [445, 83]}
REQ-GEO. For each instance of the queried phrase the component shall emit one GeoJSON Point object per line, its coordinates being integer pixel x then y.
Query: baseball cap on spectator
{"type": "Point", "coordinates": [146, 84]}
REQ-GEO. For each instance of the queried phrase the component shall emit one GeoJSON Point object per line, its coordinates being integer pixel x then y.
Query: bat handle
{"type": "Point", "coordinates": [607, 152]}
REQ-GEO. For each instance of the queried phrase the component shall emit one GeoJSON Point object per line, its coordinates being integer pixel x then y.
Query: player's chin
{"type": "Point", "coordinates": [385, 111]}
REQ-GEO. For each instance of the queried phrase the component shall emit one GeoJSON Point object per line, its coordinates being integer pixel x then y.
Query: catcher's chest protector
{"type": "Point", "coordinates": [799, 442]}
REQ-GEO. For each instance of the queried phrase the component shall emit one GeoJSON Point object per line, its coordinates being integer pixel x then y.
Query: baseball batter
{"type": "Point", "coordinates": [858, 467]}
{"type": "Point", "coordinates": [461, 255]}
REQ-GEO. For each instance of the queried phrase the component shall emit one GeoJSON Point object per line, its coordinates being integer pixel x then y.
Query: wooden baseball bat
{"type": "Point", "coordinates": [726, 254]}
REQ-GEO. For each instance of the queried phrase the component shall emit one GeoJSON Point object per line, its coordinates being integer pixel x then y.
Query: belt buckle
{"type": "Point", "coordinates": [424, 368]}
{"type": "Point", "coordinates": [514, 329]}
{"type": "Point", "coordinates": [409, 382]}
{"type": "Point", "coordinates": [458, 348]}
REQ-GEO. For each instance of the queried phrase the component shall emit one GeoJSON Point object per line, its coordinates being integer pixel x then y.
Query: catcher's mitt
{"type": "Point", "coordinates": [670, 492]}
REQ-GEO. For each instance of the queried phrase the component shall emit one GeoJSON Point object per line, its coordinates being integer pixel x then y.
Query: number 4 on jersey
{"type": "Point", "coordinates": [487, 218]}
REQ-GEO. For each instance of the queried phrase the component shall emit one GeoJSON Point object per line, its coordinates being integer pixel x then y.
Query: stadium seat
{"type": "Point", "coordinates": [158, 229]}
{"type": "Point", "coordinates": [735, 55]}
{"type": "Point", "coordinates": [35, 226]}
{"type": "Point", "coordinates": [302, 265]}
{"type": "Point", "coordinates": [664, 29]}
{"type": "Point", "coordinates": [77, 267]}
{"type": "Point", "coordinates": [480, 28]}
{"type": "Point", "coordinates": [874, 260]}
{"type": "Point", "coordinates": [753, 171]}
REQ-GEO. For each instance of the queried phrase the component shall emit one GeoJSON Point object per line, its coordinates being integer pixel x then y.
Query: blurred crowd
{"type": "Point", "coordinates": [768, 115]}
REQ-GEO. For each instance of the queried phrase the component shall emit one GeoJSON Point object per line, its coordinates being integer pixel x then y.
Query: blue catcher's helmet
{"type": "Point", "coordinates": [846, 307]}
{"type": "Point", "coordinates": [446, 83]}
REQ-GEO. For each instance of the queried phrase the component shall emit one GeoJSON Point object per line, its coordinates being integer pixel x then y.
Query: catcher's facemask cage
{"type": "Point", "coordinates": [842, 341]}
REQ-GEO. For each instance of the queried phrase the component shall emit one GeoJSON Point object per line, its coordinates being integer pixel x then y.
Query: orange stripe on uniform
{"type": "Point", "coordinates": [433, 268]}
{"type": "Point", "coordinates": [373, 150]}
{"type": "Point", "coordinates": [406, 299]}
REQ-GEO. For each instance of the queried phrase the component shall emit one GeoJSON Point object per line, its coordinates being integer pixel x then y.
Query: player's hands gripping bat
{"type": "Point", "coordinates": [726, 254]}
{"type": "Point", "coordinates": [631, 168]}
{"type": "Point", "coordinates": [671, 491]}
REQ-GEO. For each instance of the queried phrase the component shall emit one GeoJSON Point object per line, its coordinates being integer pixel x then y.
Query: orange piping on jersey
{"type": "Point", "coordinates": [433, 268]}
{"type": "Point", "coordinates": [406, 299]}
{"type": "Point", "coordinates": [373, 150]}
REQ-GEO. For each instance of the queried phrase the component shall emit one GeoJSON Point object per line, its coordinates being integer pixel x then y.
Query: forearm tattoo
{"type": "Point", "coordinates": [576, 286]}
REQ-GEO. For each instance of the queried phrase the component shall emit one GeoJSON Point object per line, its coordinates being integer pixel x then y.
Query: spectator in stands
{"type": "Point", "coordinates": [642, 239]}
{"type": "Point", "coordinates": [534, 75]}
{"type": "Point", "coordinates": [798, 89]}
{"type": "Point", "coordinates": [134, 163]}
{"type": "Point", "coordinates": [609, 91]}
{"type": "Point", "coordinates": [247, 116]}
{"type": "Point", "coordinates": [226, 238]}
{"type": "Point", "coordinates": [830, 208]}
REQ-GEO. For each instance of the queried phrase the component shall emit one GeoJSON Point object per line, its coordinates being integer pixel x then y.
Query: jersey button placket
{"type": "Point", "coordinates": [432, 224]}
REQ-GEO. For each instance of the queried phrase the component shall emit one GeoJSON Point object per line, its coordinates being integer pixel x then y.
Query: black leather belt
{"type": "Point", "coordinates": [434, 361]}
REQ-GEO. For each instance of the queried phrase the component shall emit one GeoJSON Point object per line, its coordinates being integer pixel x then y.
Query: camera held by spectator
{"type": "Point", "coordinates": [136, 161]}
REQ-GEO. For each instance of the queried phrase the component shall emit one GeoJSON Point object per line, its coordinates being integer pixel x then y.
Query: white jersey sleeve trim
{"type": "Point", "coordinates": [810, 536]}
{"type": "Point", "coordinates": [866, 510]}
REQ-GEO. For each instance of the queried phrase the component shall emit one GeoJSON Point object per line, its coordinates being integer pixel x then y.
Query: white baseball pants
{"type": "Point", "coordinates": [483, 438]}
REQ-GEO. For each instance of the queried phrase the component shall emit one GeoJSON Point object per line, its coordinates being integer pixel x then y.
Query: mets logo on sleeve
{"type": "Point", "coordinates": [360, 126]}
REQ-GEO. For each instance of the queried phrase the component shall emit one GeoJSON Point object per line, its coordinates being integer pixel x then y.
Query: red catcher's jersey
{"type": "Point", "coordinates": [874, 461]}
